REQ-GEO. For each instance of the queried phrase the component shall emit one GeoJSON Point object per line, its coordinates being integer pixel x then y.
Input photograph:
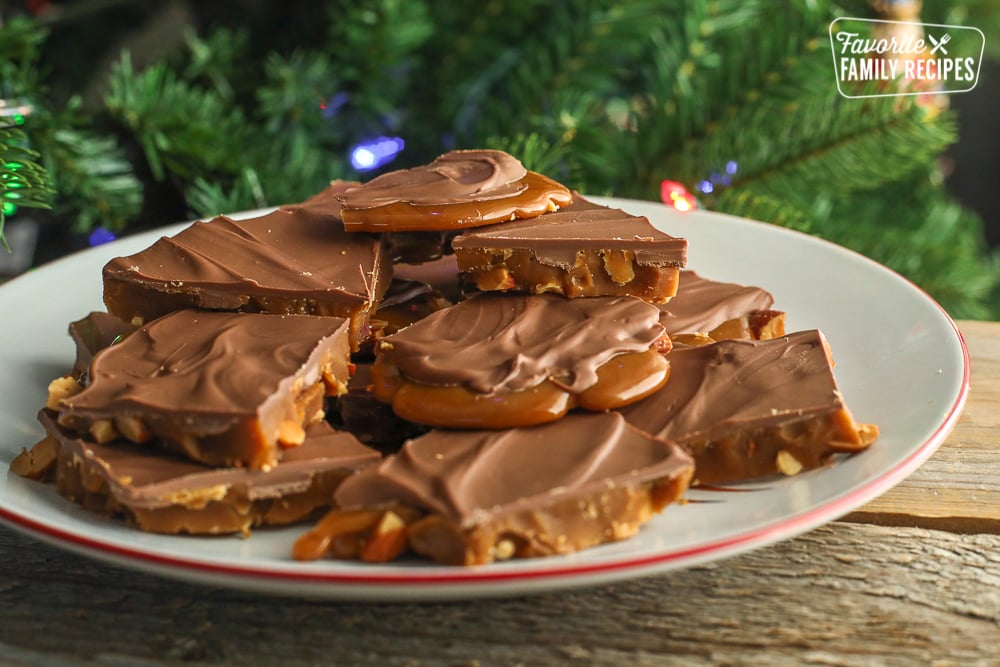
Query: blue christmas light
{"type": "Point", "coordinates": [331, 106]}
{"type": "Point", "coordinates": [375, 153]}
{"type": "Point", "coordinates": [732, 167]}
{"type": "Point", "coordinates": [705, 187]}
{"type": "Point", "coordinates": [100, 236]}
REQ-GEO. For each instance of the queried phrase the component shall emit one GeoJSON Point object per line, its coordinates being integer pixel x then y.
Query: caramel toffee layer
{"type": "Point", "coordinates": [736, 405]}
{"type": "Point", "coordinates": [219, 386]}
{"type": "Point", "coordinates": [582, 250]}
{"type": "Point", "coordinates": [458, 189]}
{"type": "Point", "coordinates": [295, 260]}
{"type": "Point", "coordinates": [165, 493]}
{"type": "Point", "coordinates": [701, 305]}
{"type": "Point", "coordinates": [497, 343]}
{"type": "Point", "coordinates": [474, 477]}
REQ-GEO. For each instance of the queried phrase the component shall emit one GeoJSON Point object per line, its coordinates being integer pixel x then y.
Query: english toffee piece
{"type": "Point", "coordinates": [295, 260]}
{"type": "Point", "coordinates": [705, 310]}
{"type": "Point", "coordinates": [472, 497]}
{"type": "Point", "coordinates": [747, 409]}
{"type": "Point", "coordinates": [164, 493]}
{"type": "Point", "coordinates": [458, 190]}
{"type": "Point", "coordinates": [222, 388]}
{"type": "Point", "coordinates": [501, 360]}
{"type": "Point", "coordinates": [582, 250]}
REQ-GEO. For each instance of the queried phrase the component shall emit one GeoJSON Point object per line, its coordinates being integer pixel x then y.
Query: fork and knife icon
{"type": "Point", "coordinates": [939, 43]}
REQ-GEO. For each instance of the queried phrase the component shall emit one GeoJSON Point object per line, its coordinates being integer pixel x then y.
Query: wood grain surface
{"type": "Point", "coordinates": [847, 594]}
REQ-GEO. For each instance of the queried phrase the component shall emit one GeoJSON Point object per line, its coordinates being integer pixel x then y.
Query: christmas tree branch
{"type": "Point", "coordinates": [23, 180]}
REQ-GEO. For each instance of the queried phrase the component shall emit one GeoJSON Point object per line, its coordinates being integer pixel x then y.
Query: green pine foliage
{"type": "Point", "coordinates": [610, 97]}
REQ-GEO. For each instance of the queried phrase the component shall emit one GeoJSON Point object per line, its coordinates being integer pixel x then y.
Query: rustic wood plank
{"type": "Point", "coordinates": [958, 488]}
{"type": "Point", "coordinates": [845, 594]}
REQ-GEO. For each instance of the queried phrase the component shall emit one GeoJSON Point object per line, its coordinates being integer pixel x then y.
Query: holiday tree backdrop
{"type": "Point", "coordinates": [263, 103]}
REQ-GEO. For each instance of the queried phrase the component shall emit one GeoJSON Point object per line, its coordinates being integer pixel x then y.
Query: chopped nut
{"type": "Point", "coordinates": [788, 464]}
{"type": "Point", "coordinates": [504, 550]}
{"type": "Point", "coordinates": [333, 526]}
{"type": "Point", "coordinates": [334, 387]}
{"type": "Point", "coordinates": [61, 388]}
{"type": "Point", "coordinates": [291, 434]}
{"type": "Point", "coordinates": [497, 278]}
{"type": "Point", "coordinates": [618, 264]}
{"type": "Point", "coordinates": [388, 539]}
{"type": "Point", "coordinates": [103, 431]}
{"type": "Point", "coordinates": [38, 462]}
{"type": "Point", "coordinates": [133, 428]}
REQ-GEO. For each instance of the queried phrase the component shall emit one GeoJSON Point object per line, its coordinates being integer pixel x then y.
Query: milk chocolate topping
{"type": "Point", "coordinates": [208, 369]}
{"type": "Point", "coordinates": [473, 476]}
{"type": "Point", "coordinates": [141, 476]}
{"type": "Point", "coordinates": [740, 384]}
{"type": "Point", "coordinates": [556, 238]}
{"type": "Point", "coordinates": [702, 304]}
{"type": "Point", "coordinates": [453, 178]}
{"type": "Point", "coordinates": [293, 253]}
{"type": "Point", "coordinates": [493, 343]}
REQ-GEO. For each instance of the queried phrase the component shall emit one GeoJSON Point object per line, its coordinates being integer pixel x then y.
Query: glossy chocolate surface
{"type": "Point", "coordinates": [701, 305]}
{"type": "Point", "coordinates": [740, 385]}
{"type": "Point", "coordinates": [297, 259]}
{"type": "Point", "coordinates": [219, 386]}
{"type": "Point", "coordinates": [557, 238]}
{"type": "Point", "coordinates": [494, 343]}
{"type": "Point", "coordinates": [471, 477]}
{"type": "Point", "coordinates": [453, 178]}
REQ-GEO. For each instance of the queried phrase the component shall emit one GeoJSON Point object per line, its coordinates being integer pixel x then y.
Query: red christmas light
{"type": "Point", "coordinates": [675, 195]}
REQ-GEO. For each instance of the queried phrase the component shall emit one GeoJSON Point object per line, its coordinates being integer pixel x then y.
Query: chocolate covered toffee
{"type": "Point", "coordinates": [164, 493]}
{"type": "Point", "coordinates": [500, 360]}
{"type": "Point", "coordinates": [460, 189]}
{"type": "Point", "coordinates": [707, 310]}
{"type": "Point", "coordinates": [582, 250]}
{"type": "Point", "coordinates": [472, 497]}
{"type": "Point", "coordinates": [202, 402]}
{"type": "Point", "coordinates": [295, 260]}
{"type": "Point", "coordinates": [746, 409]}
{"type": "Point", "coordinates": [222, 388]}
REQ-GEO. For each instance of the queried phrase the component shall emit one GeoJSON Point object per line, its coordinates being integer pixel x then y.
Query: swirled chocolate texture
{"type": "Point", "coordinates": [219, 387]}
{"type": "Point", "coordinates": [737, 405]}
{"type": "Point", "coordinates": [465, 188]}
{"type": "Point", "coordinates": [497, 343]}
{"type": "Point", "coordinates": [583, 480]}
{"type": "Point", "coordinates": [295, 260]}
{"type": "Point", "coordinates": [701, 304]}
{"type": "Point", "coordinates": [581, 250]}
{"type": "Point", "coordinates": [165, 493]}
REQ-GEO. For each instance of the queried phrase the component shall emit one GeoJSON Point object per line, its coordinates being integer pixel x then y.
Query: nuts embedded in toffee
{"type": "Point", "coordinates": [164, 493]}
{"type": "Point", "coordinates": [747, 409]}
{"type": "Point", "coordinates": [480, 496]}
{"type": "Point", "coordinates": [223, 388]}
{"type": "Point", "coordinates": [459, 189]}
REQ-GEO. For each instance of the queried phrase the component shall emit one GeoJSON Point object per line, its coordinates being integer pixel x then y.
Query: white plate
{"type": "Point", "coordinates": [901, 363]}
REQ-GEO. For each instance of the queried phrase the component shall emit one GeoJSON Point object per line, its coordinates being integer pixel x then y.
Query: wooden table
{"type": "Point", "coordinates": [912, 578]}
